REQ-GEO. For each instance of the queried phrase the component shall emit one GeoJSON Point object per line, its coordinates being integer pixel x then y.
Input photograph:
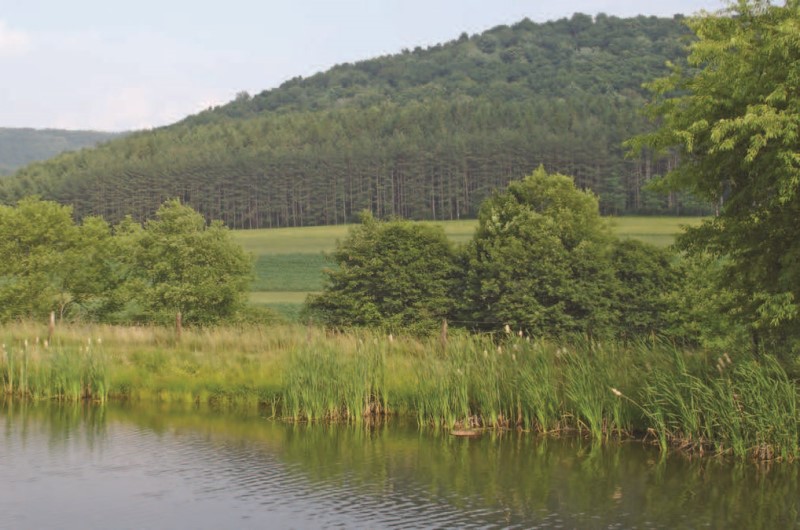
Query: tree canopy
{"type": "Point", "coordinates": [175, 263]}
{"type": "Point", "coordinates": [181, 265]}
{"type": "Point", "coordinates": [732, 115]}
{"type": "Point", "coordinates": [542, 260]}
{"type": "Point", "coordinates": [539, 260]}
{"type": "Point", "coordinates": [422, 134]}
{"type": "Point", "coordinates": [393, 274]}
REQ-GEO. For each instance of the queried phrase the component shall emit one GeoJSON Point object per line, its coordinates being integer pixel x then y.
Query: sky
{"type": "Point", "coordinates": [113, 66]}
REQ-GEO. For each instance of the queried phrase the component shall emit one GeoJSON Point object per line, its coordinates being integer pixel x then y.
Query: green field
{"type": "Point", "coordinates": [290, 261]}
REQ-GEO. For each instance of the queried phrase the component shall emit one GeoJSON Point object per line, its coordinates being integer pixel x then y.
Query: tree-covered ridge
{"type": "Point", "coordinates": [426, 134]}
{"type": "Point", "coordinates": [19, 147]}
{"type": "Point", "coordinates": [583, 54]}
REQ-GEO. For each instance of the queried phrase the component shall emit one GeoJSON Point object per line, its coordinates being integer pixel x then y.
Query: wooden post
{"type": "Point", "coordinates": [178, 325]}
{"type": "Point", "coordinates": [51, 327]}
{"type": "Point", "coordinates": [443, 337]}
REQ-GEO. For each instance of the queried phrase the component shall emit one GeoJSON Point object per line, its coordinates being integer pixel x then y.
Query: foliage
{"type": "Point", "coordinates": [394, 274]}
{"type": "Point", "coordinates": [732, 116]}
{"type": "Point", "coordinates": [51, 264]}
{"type": "Point", "coordinates": [426, 134]}
{"type": "Point", "coordinates": [645, 277]}
{"type": "Point", "coordinates": [175, 263]}
{"type": "Point", "coordinates": [539, 260]}
{"type": "Point", "coordinates": [699, 310]}
{"type": "Point", "coordinates": [180, 264]}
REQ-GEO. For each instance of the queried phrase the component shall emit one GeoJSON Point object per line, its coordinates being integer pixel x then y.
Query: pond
{"type": "Point", "coordinates": [124, 466]}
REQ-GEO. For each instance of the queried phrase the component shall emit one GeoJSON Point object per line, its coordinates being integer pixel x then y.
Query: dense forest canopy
{"type": "Point", "coordinates": [19, 147]}
{"type": "Point", "coordinates": [424, 134]}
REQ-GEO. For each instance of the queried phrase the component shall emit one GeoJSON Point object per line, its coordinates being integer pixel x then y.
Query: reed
{"type": "Point", "coordinates": [743, 406]}
{"type": "Point", "coordinates": [323, 382]}
{"type": "Point", "coordinates": [747, 408]}
{"type": "Point", "coordinates": [38, 370]}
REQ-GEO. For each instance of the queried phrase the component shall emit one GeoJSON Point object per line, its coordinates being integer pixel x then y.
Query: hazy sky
{"type": "Point", "coordinates": [108, 65]}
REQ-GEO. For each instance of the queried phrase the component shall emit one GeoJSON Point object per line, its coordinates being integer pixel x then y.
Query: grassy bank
{"type": "Point", "coordinates": [290, 261]}
{"type": "Point", "coordinates": [738, 405]}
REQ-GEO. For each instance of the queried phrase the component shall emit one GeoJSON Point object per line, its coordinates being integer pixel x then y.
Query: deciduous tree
{"type": "Point", "coordinates": [395, 274]}
{"type": "Point", "coordinates": [539, 260]}
{"type": "Point", "coordinates": [181, 264]}
{"type": "Point", "coordinates": [733, 116]}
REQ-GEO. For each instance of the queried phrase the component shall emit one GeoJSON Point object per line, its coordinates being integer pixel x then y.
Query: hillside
{"type": "Point", "coordinates": [19, 147]}
{"type": "Point", "coordinates": [426, 133]}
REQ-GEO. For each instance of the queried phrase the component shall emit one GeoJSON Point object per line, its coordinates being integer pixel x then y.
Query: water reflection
{"type": "Point", "coordinates": [157, 467]}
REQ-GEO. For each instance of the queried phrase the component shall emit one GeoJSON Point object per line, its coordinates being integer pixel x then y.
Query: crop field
{"type": "Point", "coordinates": [289, 262]}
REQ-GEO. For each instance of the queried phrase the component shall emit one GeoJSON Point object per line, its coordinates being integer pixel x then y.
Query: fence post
{"type": "Point", "coordinates": [51, 327]}
{"type": "Point", "coordinates": [178, 325]}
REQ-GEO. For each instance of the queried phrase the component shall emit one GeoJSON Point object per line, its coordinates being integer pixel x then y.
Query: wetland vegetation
{"type": "Point", "coordinates": [650, 389]}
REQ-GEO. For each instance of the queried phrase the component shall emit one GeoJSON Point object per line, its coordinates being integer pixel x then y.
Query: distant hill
{"type": "Point", "coordinates": [19, 147]}
{"type": "Point", "coordinates": [425, 133]}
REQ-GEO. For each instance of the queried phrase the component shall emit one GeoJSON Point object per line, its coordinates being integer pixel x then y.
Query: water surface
{"type": "Point", "coordinates": [83, 467]}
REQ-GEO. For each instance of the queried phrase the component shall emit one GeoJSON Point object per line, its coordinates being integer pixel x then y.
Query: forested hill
{"type": "Point", "coordinates": [19, 147]}
{"type": "Point", "coordinates": [425, 134]}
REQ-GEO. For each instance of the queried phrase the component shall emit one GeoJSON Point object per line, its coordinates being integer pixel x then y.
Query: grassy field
{"type": "Point", "coordinates": [290, 261]}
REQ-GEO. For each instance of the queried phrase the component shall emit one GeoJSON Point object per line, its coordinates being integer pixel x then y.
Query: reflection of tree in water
{"type": "Point", "coordinates": [396, 474]}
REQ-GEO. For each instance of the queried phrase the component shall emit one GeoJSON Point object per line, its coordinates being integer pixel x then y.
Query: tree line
{"type": "Point", "coordinates": [542, 262]}
{"type": "Point", "coordinates": [424, 134]}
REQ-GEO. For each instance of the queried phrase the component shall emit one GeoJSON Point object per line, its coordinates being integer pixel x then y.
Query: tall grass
{"type": "Point", "coordinates": [38, 370]}
{"type": "Point", "coordinates": [324, 382]}
{"type": "Point", "coordinates": [745, 407]}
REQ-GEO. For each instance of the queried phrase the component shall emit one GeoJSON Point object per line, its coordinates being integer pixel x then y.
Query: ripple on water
{"type": "Point", "coordinates": [124, 472]}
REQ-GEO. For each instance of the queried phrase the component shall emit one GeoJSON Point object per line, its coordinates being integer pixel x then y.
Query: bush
{"type": "Point", "coordinates": [393, 274]}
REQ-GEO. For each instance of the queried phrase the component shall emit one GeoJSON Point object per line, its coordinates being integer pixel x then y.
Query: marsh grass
{"type": "Point", "coordinates": [744, 407]}
{"type": "Point", "coordinates": [35, 369]}
{"type": "Point", "coordinates": [321, 382]}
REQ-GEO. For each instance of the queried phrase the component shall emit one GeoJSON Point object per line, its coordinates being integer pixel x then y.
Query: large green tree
{"type": "Point", "coordinates": [182, 265]}
{"type": "Point", "coordinates": [53, 264]}
{"type": "Point", "coordinates": [540, 260]}
{"type": "Point", "coordinates": [394, 274]}
{"type": "Point", "coordinates": [36, 241]}
{"type": "Point", "coordinates": [733, 117]}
